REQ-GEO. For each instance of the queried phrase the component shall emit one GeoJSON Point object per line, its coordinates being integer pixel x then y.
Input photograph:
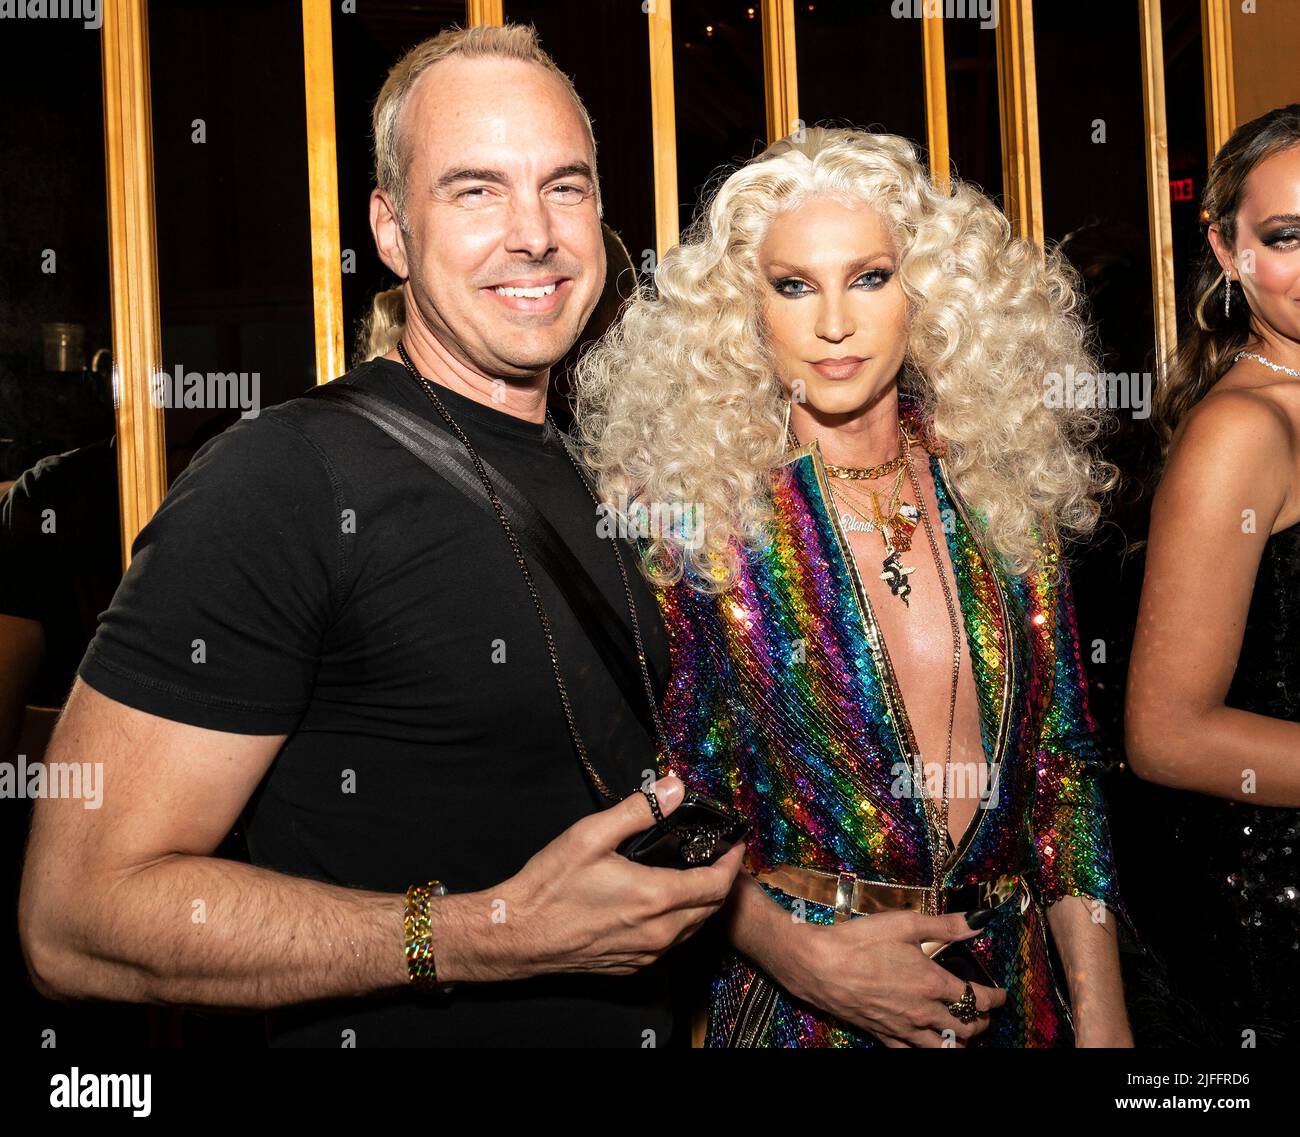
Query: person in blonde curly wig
{"type": "Point", "coordinates": [850, 428]}
{"type": "Point", "coordinates": [690, 379]}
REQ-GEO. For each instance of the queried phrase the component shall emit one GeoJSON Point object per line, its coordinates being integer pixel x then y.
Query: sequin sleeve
{"type": "Point", "coordinates": [1071, 838]}
{"type": "Point", "coordinates": [695, 711]}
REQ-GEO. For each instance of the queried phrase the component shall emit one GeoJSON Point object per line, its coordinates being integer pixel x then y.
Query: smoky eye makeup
{"type": "Point", "coordinates": [1285, 235]}
{"type": "Point", "coordinates": [872, 278]}
{"type": "Point", "coordinates": [786, 285]}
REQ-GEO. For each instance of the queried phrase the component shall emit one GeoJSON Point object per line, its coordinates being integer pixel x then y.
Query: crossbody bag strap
{"type": "Point", "coordinates": [447, 458]}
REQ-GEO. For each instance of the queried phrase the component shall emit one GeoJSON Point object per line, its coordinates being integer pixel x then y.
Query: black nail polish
{"type": "Point", "coordinates": [979, 917]}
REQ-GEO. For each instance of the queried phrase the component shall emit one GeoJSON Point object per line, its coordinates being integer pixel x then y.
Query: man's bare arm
{"type": "Point", "coordinates": [125, 901]}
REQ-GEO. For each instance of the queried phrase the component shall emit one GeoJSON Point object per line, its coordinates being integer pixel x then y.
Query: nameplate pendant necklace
{"type": "Point", "coordinates": [895, 522]}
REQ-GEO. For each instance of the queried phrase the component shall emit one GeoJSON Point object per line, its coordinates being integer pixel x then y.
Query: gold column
{"type": "Point", "coordinates": [663, 123]}
{"type": "Point", "coordinates": [936, 98]}
{"type": "Point", "coordinates": [1160, 219]}
{"type": "Point", "coordinates": [323, 189]}
{"type": "Point", "coordinates": [132, 265]}
{"type": "Point", "coordinates": [780, 69]}
{"type": "Point", "coordinates": [1018, 110]}
{"type": "Point", "coordinates": [1220, 94]}
{"type": "Point", "coordinates": [480, 12]}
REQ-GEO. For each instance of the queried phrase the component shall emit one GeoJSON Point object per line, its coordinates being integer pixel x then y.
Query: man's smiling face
{"type": "Point", "coordinates": [503, 240]}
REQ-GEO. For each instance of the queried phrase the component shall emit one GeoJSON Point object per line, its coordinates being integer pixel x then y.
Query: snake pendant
{"type": "Point", "coordinates": [896, 574]}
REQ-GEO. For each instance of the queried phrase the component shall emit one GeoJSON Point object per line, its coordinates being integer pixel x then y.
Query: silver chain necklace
{"type": "Point", "coordinates": [1267, 363]}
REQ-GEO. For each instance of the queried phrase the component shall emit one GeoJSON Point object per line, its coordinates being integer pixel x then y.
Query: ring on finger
{"type": "Point", "coordinates": [653, 801]}
{"type": "Point", "coordinates": [964, 1009]}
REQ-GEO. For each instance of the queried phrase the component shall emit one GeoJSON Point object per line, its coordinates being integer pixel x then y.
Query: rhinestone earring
{"type": "Point", "coordinates": [1227, 294]}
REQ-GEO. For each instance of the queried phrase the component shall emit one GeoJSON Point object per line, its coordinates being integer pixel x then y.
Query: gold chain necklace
{"type": "Point", "coordinates": [936, 825]}
{"type": "Point", "coordinates": [895, 529]}
{"type": "Point", "coordinates": [866, 473]}
{"type": "Point", "coordinates": [939, 845]}
{"type": "Point", "coordinates": [900, 516]}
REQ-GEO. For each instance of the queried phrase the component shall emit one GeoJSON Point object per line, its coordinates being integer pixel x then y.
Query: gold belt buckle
{"type": "Point", "coordinates": [997, 891]}
{"type": "Point", "coordinates": [844, 885]}
{"type": "Point", "coordinates": [848, 895]}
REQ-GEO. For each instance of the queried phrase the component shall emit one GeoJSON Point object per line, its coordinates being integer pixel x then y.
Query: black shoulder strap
{"type": "Point", "coordinates": [447, 457]}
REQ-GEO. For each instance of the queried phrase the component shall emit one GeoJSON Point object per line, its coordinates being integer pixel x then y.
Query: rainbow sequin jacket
{"type": "Point", "coordinates": [782, 704]}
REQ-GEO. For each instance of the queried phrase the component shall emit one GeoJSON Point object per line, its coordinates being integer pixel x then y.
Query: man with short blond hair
{"type": "Point", "coordinates": [320, 634]}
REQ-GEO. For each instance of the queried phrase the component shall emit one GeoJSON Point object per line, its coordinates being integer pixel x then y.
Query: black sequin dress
{"type": "Point", "coordinates": [1233, 945]}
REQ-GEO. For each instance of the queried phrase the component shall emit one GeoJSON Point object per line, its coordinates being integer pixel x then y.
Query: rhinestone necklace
{"type": "Point", "coordinates": [1267, 363]}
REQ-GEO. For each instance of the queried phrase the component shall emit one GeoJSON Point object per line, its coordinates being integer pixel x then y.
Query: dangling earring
{"type": "Point", "coordinates": [785, 430]}
{"type": "Point", "coordinates": [1227, 294]}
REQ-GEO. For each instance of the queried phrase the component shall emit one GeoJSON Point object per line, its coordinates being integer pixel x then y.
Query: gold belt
{"type": "Point", "coordinates": [850, 895]}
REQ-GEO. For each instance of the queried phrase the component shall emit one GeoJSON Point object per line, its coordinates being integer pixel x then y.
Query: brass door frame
{"type": "Point", "coordinates": [1164, 306]}
{"type": "Point", "coordinates": [1022, 179]}
{"type": "Point", "coordinates": [1220, 92]}
{"type": "Point", "coordinates": [663, 124]}
{"type": "Point", "coordinates": [132, 266]}
{"type": "Point", "coordinates": [133, 261]}
{"type": "Point", "coordinates": [936, 100]}
{"type": "Point", "coordinates": [780, 69]}
{"type": "Point", "coordinates": [323, 190]}
{"type": "Point", "coordinates": [481, 13]}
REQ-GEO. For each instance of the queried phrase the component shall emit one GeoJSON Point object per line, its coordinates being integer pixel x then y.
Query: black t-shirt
{"type": "Point", "coordinates": [307, 575]}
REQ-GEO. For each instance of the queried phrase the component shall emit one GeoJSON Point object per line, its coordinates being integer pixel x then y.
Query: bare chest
{"type": "Point", "coordinates": [925, 643]}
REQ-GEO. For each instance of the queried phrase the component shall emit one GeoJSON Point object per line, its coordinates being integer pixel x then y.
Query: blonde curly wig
{"type": "Point", "coordinates": [680, 402]}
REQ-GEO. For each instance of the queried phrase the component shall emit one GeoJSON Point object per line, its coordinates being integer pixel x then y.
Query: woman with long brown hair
{"type": "Point", "coordinates": [1214, 685]}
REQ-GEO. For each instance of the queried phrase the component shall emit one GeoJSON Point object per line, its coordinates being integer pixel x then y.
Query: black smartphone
{"type": "Point", "coordinates": [698, 832]}
{"type": "Point", "coordinates": [957, 959]}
